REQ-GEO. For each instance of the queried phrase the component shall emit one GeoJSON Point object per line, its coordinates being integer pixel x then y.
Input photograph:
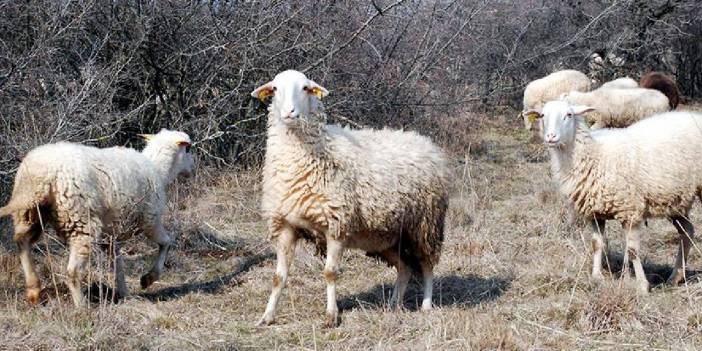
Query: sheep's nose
{"type": "Point", "coordinates": [550, 137]}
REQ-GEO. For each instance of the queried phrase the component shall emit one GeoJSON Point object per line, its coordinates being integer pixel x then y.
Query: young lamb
{"type": "Point", "coordinates": [664, 84]}
{"type": "Point", "coordinates": [618, 108]}
{"type": "Point", "coordinates": [548, 88]}
{"type": "Point", "coordinates": [620, 83]}
{"type": "Point", "coordinates": [381, 191]}
{"type": "Point", "coordinates": [650, 169]}
{"type": "Point", "coordinates": [83, 192]}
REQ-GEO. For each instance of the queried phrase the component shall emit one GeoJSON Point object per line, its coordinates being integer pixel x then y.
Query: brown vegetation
{"type": "Point", "coordinates": [513, 274]}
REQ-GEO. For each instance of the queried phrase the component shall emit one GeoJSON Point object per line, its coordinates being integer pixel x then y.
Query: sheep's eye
{"type": "Point", "coordinates": [275, 88]}
{"type": "Point", "coordinates": [305, 88]}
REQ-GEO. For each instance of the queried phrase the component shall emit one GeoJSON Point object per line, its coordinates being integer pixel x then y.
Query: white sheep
{"type": "Point", "coordinates": [381, 191]}
{"type": "Point", "coordinates": [650, 169]}
{"type": "Point", "coordinates": [84, 192]}
{"type": "Point", "coordinates": [618, 108]}
{"type": "Point", "coordinates": [620, 83]}
{"type": "Point", "coordinates": [548, 88]}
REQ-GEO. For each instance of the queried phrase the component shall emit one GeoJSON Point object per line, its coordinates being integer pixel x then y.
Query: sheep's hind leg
{"type": "Point", "coordinates": [80, 246]}
{"type": "Point", "coordinates": [335, 250]}
{"type": "Point", "coordinates": [285, 251]}
{"type": "Point", "coordinates": [428, 275]}
{"type": "Point", "coordinates": [598, 245]}
{"type": "Point", "coordinates": [403, 276]}
{"type": "Point", "coordinates": [164, 241]}
{"type": "Point", "coordinates": [120, 282]}
{"type": "Point", "coordinates": [633, 248]}
{"type": "Point", "coordinates": [25, 236]}
{"type": "Point", "coordinates": [686, 232]}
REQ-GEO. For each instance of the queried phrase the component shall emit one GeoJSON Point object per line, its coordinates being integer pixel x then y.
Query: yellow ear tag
{"type": "Point", "coordinates": [264, 94]}
{"type": "Point", "coordinates": [533, 117]}
{"type": "Point", "coordinates": [317, 92]}
{"type": "Point", "coordinates": [146, 137]}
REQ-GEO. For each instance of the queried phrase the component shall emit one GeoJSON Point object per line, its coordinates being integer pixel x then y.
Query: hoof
{"type": "Point", "coordinates": [265, 321]}
{"type": "Point", "coordinates": [426, 306]}
{"type": "Point", "coordinates": [33, 295]}
{"type": "Point", "coordinates": [597, 279]}
{"type": "Point", "coordinates": [675, 279]}
{"type": "Point", "coordinates": [147, 279]}
{"type": "Point", "coordinates": [332, 320]}
{"type": "Point", "coordinates": [642, 288]}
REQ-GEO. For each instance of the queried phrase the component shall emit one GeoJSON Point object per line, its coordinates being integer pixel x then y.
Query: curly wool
{"type": "Point", "coordinates": [85, 188]}
{"type": "Point", "coordinates": [550, 87]}
{"type": "Point", "coordinates": [620, 83]}
{"type": "Point", "coordinates": [372, 189]}
{"type": "Point", "coordinates": [617, 107]}
{"type": "Point", "coordinates": [650, 169]}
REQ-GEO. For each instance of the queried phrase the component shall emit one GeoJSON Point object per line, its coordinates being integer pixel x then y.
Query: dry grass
{"type": "Point", "coordinates": [513, 275]}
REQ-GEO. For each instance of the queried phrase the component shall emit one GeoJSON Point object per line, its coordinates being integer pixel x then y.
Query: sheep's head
{"type": "Point", "coordinates": [292, 95]}
{"type": "Point", "coordinates": [174, 146]}
{"type": "Point", "coordinates": [558, 119]}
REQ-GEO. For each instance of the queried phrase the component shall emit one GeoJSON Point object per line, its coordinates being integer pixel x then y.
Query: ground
{"type": "Point", "coordinates": [513, 274]}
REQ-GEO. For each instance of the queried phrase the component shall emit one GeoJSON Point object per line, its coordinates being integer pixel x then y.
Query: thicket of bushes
{"type": "Point", "coordinates": [99, 72]}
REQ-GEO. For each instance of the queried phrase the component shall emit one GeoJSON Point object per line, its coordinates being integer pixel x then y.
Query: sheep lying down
{"type": "Point", "coordinates": [85, 192]}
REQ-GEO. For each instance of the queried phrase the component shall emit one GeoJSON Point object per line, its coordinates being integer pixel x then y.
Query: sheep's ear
{"type": "Point", "coordinates": [532, 115]}
{"type": "Point", "coordinates": [147, 137]}
{"type": "Point", "coordinates": [317, 90]}
{"type": "Point", "coordinates": [264, 91]}
{"type": "Point", "coordinates": [581, 110]}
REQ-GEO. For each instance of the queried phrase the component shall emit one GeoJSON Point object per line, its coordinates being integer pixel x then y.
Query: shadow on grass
{"type": "Point", "coordinates": [449, 291]}
{"type": "Point", "coordinates": [207, 287]}
{"type": "Point", "coordinates": [657, 274]}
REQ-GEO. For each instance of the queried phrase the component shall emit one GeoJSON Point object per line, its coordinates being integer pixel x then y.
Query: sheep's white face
{"type": "Point", "coordinates": [173, 144]}
{"type": "Point", "coordinates": [293, 95]}
{"type": "Point", "coordinates": [558, 121]}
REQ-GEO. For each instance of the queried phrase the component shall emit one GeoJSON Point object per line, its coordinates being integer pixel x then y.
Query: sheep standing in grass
{"type": "Point", "coordinates": [84, 192]}
{"type": "Point", "coordinates": [619, 108]}
{"type": "Point", "coordinates": [548, 88]}
{"type": "Point", "coordinates": [664, 84]}
{"type": "Point", "coordinates": [620, 83]}
{"type": "Point", "coordinates": [381, 191]}
{"type": "Point", "coordinates": [650, 169]}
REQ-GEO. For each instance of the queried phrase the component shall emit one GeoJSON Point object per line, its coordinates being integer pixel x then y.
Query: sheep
{"type": "Point", "coordinates": [548, 88]}
{"type": "Point", "coordinates": [618, 108]}
{"type": "Point", "coordinates": [381, 191]}
{"type": "Point", "coordinates": [602, 64]}
{"type": "Point", "coordinates": [620, 83]}
{"type": "Point", "coordinates": [647, 170]}
{"type": "Point", "coordinates": [664, 84]}
{"type": "Point", "coordinates": [83, 192]}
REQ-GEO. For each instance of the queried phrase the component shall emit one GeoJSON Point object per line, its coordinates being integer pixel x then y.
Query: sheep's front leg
{"type": "Point", "coordinates": [80, 246]}
{"type": "Point", "coordinates": [686, 232]}
{"type": "Point", "coordinates": [164, 241]}
{"type": "Point", "coordinates": [633, 248]}
{"type": "Point", "coordinates": [598, 244]}
{"type": "Point", "coordinates": [285, 252]}
{"type": "Point", "coordinates": [335, 250]}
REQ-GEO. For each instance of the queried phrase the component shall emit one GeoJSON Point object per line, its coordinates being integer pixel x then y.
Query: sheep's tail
{"type": "Point", "coordinates": [24, 200]}
{"type": "Point", "coordinates": [7, 210]}
{"type": "Point", "coordinates": [15, 206]}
